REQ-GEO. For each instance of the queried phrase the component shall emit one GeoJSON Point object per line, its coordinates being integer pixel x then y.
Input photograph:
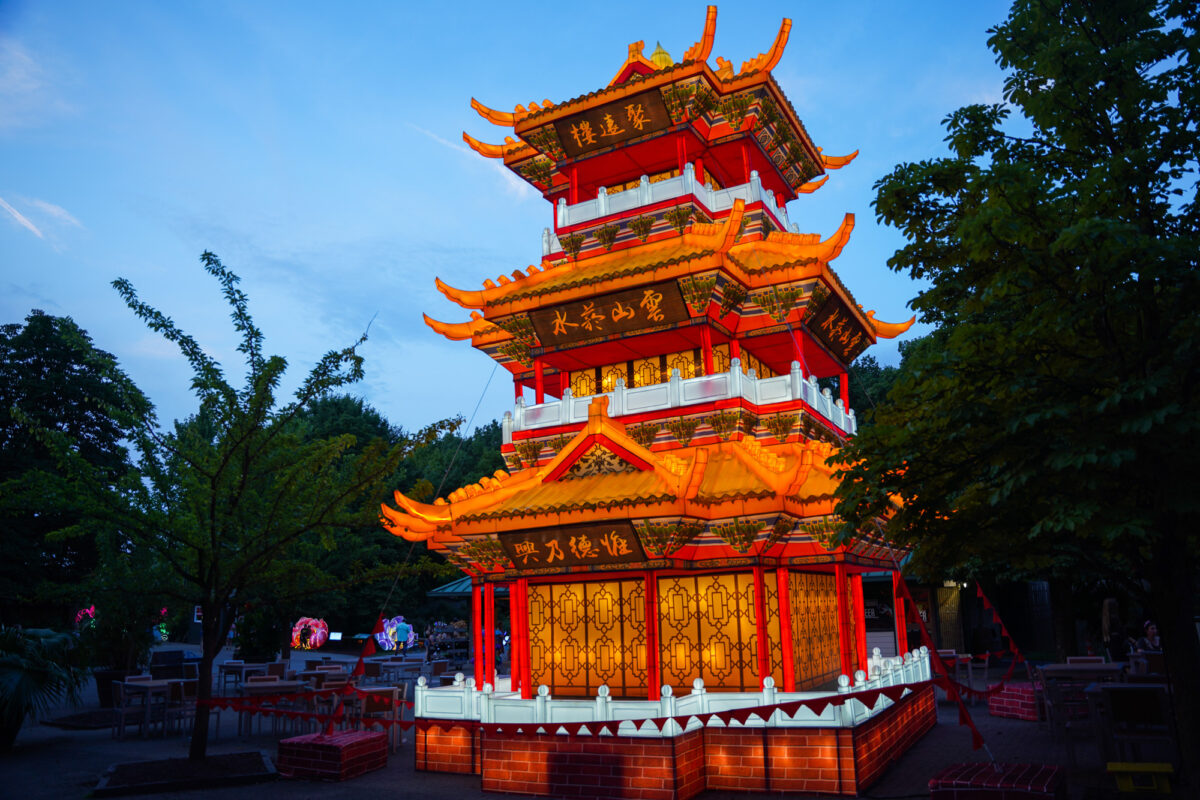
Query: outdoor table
{"type": "Point", "coordinates": [149, 690]}
{"type": "Point", "coordinates": [959, 663]}
{"type": "Point", "coordinates": [241, 671]}
{"type": "Point", "coordinates": [318, 676]}
{"type": "Point", "coordinates": [265, 689]}
{"type": "Point", "coordinates": [1085, 672]}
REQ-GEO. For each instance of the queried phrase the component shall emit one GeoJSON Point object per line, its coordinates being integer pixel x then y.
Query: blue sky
{"type": "Point", "coordinates": [316, 148]}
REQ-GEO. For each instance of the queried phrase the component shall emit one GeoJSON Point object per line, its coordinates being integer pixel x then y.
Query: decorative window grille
{"type": "Point", "coordinates": [814, 629]}
{"type": "Point", "coordinates": [583, 383]}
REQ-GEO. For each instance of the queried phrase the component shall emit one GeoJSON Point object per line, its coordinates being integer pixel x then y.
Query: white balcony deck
{"type": "Point", "coordinates": [464, 701]}
{"type": "Point", "coordinates": [647, 193]}
{"type": "Point", "coordinates": [682, 392]}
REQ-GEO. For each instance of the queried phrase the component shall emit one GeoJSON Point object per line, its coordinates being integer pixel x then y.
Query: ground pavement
{"type": "Point", "coordinates": [49, 762]}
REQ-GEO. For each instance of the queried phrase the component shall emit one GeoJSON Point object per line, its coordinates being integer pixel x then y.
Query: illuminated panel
{"type": "Point", "coordinates": [814, 629]}
{"type": "Point", "coordinates": [774, 639]}
{"type": "Point", "coordinates": [852, 624]}
{"type": "Point", "coordinates": [582, 635]}
{"type": "Point", "coordinates": [707, 630]}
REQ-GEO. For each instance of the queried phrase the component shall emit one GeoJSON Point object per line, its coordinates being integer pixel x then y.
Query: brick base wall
{"type": "Point", "coordinates": [447, 746]}
{"type": "Point", "coordinates": [341, 755]}
{"type": "Point", "coordinates": [616, 766]}
{"type": "Point", "coordinates": [1017, 700]}
{"type": "Point", "coordinates": [841, 761]}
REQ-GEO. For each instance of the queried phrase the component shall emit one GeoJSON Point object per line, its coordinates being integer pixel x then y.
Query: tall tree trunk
{"type": "Point", "coordinates": [213, 637]}
{"type": "Point", "coordinates": [1062, 613]}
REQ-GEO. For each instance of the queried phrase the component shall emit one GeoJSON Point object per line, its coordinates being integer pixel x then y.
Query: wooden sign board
{"type": "Point", "coordinates": [838, 329]}
{"type": "Point", "coordinates": [613, 123]}
{"type": "Point", "coordinates": [617, 313]}
{"type": "Point", "coordinates": [576, 545]}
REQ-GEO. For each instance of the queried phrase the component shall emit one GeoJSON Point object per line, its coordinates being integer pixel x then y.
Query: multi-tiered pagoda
{"type": "Point", "coordinates": [666, 511]}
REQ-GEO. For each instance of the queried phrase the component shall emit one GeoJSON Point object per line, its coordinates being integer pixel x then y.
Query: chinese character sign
{"type": "Point", "coordinates": [617, 313]}
{"type": "Point", "coordinates": [838, 329]}
{"type": "Point", "coordinates": [613, 123]}
{"type": "Point", "coordinates": [609, 543]}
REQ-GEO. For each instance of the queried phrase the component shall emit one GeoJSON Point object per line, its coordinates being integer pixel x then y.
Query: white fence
{"type": "Point", "coordinates": [463, 701]}
{"type": "Point", "coordinates": [646, 193]}
{"type": "Point", "coordinates": [679, 392]}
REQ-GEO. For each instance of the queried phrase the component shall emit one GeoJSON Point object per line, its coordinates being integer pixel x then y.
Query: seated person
{"type": "Point", "coordinates": [1150, 642]}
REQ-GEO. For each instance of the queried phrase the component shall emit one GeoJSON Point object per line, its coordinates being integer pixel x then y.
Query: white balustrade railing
{"type": "Point", "coordinates": [646, 193]}
{"type": "Point", "coordinates": [463, 701]}
{"type": "Point", "coordinates": [680, 392]}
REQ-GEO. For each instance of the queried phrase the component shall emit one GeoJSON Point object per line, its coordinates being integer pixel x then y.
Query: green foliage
{"type": "Point", "coordinates": [1053, 430]}
{"type": "Point", "coordinates": [52, 376]}
{"type": "Point", "coordinates": [36, 673]}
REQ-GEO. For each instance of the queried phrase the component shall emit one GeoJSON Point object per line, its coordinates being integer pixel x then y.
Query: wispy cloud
{"type": "Point", "coordinates": [26, 97]}
{"type": "Point", "coordinates": [512, 183]}
{"type": "Point", "coordinates": [57, 212]}
{"type": "Point", "coordinates": [20, 219]}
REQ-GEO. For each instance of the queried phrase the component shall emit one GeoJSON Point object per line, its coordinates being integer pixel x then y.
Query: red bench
{"type": "Point", "coordinates": [336, 757]}
{"type": "Point", "coordinates": [987, 781]}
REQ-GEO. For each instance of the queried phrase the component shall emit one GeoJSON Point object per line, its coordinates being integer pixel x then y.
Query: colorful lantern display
{"type": "Point", "coordinates": [396, 632]}
{"type": "Point", "coordinates": [309, 633]}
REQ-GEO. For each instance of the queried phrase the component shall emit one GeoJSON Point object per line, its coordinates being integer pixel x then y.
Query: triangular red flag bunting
{"type": "Point", "coordinates": [739, 714]}
{"type": "Point", "coordinates": [817, 705]}
{"type": "Point", "coordinates": [682, 722]}
{"type": "Point", "coordinates": [893, 693]}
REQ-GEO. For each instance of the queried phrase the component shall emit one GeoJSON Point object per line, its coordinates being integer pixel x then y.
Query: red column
{"type": "Point", "coordinates": [845, 645]}
{"type": "Point", "coordinates": [898, 612]}
{"type": "Point", "coordinates": [706, 348]}
{"type": "Point", "coordinates": [786, 636]}
{"type": "Point", "coordinates": [564, 381]}
{"type": "Point", "coordinates": [745, 163]}
{"type": "Point", "coordinates": [860, 621]}
{"type": "Point", "coordinates": [735, 348]}
{"type": "Point", "coordinates": [489, 635]}
{"type": "Point", "coordinates": [514, 639]}
{"type": "Point", "coordinates": [574, 191]}
{"type": "Point", "coordinates": [796, 354]}
{"type": "Point", "coordinates": [760, 625]}
{"type": "Point", "coordinates": [477, 630]}
{"type": "Point", "coordinates": [516, 389]}
{"type": "Point", "coordinates": [844, 386]}
{"type": "Point", "coordinates": [539, 381]}
{"type": "Point", "coordinates": [526, 669]}
{"type": "Point", "coordinates": [700, 171]}
{"type": "Point", "coordinates": [653, 669]}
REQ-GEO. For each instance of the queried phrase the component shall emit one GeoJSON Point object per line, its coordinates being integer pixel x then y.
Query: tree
{"type": "Point", "coordinates": [223, 500]}
{"type": "Point", "coordinates": [52, 376]}
{"type": "Point", "coordinates": [1054, 430]}
{"type": "Point", "coordinates": [36, 672]}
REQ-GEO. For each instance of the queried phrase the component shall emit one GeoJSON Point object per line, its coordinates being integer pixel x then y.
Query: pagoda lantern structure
{"type": "Point", "coordinates": [664, 525]}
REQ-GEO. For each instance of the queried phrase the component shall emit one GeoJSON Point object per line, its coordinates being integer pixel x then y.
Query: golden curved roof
{"type": "Point", "coordinates": [707, 481]}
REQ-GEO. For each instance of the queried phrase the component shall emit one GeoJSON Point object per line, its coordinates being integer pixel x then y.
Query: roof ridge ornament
{"type": "Point", "coordinates": [702, 49]}
{"type": "Point", "coordinates": [765, 62]}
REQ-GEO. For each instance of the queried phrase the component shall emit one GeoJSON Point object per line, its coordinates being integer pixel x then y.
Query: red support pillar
{"type": "Point", "coordinates": [898, 613]}
{"type": "Point", "coordinates": [700, 171]}
{"type": "Point", "coordinates": [539, 381]}
{"type": "Point", "coordinates": [477, 630]}
{"type": "Point", "coordinates": [514, 639]}
{"type": "Point", "coordinates": [735, 348]}
{"type": "Point", "coordinates": [745, 163]}
{"type": "Point", "coordinates": [844, 387]}
{"type": "Point", "coordinates": [786, 639]}
{"type": "Point", "coordinates": [574, 190]}
{"type": "Point", "coordinates": [526, 669]}
{"type": "Point", "coordinates": [489, 637]}
{"type": "Point", "coordinates": [706, 348]}
{"type": "Point", "coordinates": [760, 625]}
{"type": "Point", "coordinates": [797, 356]}
{"type": "Point", "coordinates": [845, 645]}
{"type": "Point", "coordinates": [564, 381]}
{"type": "Point", "coordinates": [860, 622]}
{"type": "Point", "coordinates": [653, 668]}
{"type": "Point", "coordinates": [517, 388]}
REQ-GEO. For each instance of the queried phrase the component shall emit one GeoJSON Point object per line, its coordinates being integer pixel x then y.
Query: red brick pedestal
{"type": "Point", "coordinates": [341, 755]}
{"type": "Point", "coordinates": [988, 781]}
{"type": "Point", "coordinates": [1017, 701]}
{"type": "Point", "coordinates": [841, 761]}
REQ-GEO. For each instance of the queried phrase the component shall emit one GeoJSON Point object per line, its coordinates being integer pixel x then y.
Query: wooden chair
{"type": "Point", "coordinates": [181, 709]}
{"type": "Point", "coordinates": [1068, 713]}
{"type": "Point", "coordinates": [127, 708]}
{"type": "Point", "coordinates": [226, 677]}
{"type": "Point", "coordinates": [1138, 717]}
{"type": "Point", "coordinates": [277, 669]}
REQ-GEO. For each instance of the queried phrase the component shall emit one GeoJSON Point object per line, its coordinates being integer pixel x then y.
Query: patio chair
{"type": "Point", "coordinates": [1068, 713]}
{"type": "Point", "coordinates": [277, 669]}
{"type": "Point", "coordinates": [181, 709]}
{"type": "Point", "coordinates": [226, 677]}
{"type": "Point", "coordinates": [127, 708]}
{"type": "Point", "coordinates": [385, 704]}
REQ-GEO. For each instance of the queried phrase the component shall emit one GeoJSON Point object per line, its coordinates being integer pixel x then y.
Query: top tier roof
{"type": "Point", "coordinates": [715, 105]}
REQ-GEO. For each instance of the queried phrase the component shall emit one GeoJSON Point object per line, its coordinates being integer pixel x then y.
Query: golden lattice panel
{"type": "Point", "coordinates": [814, 629]}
